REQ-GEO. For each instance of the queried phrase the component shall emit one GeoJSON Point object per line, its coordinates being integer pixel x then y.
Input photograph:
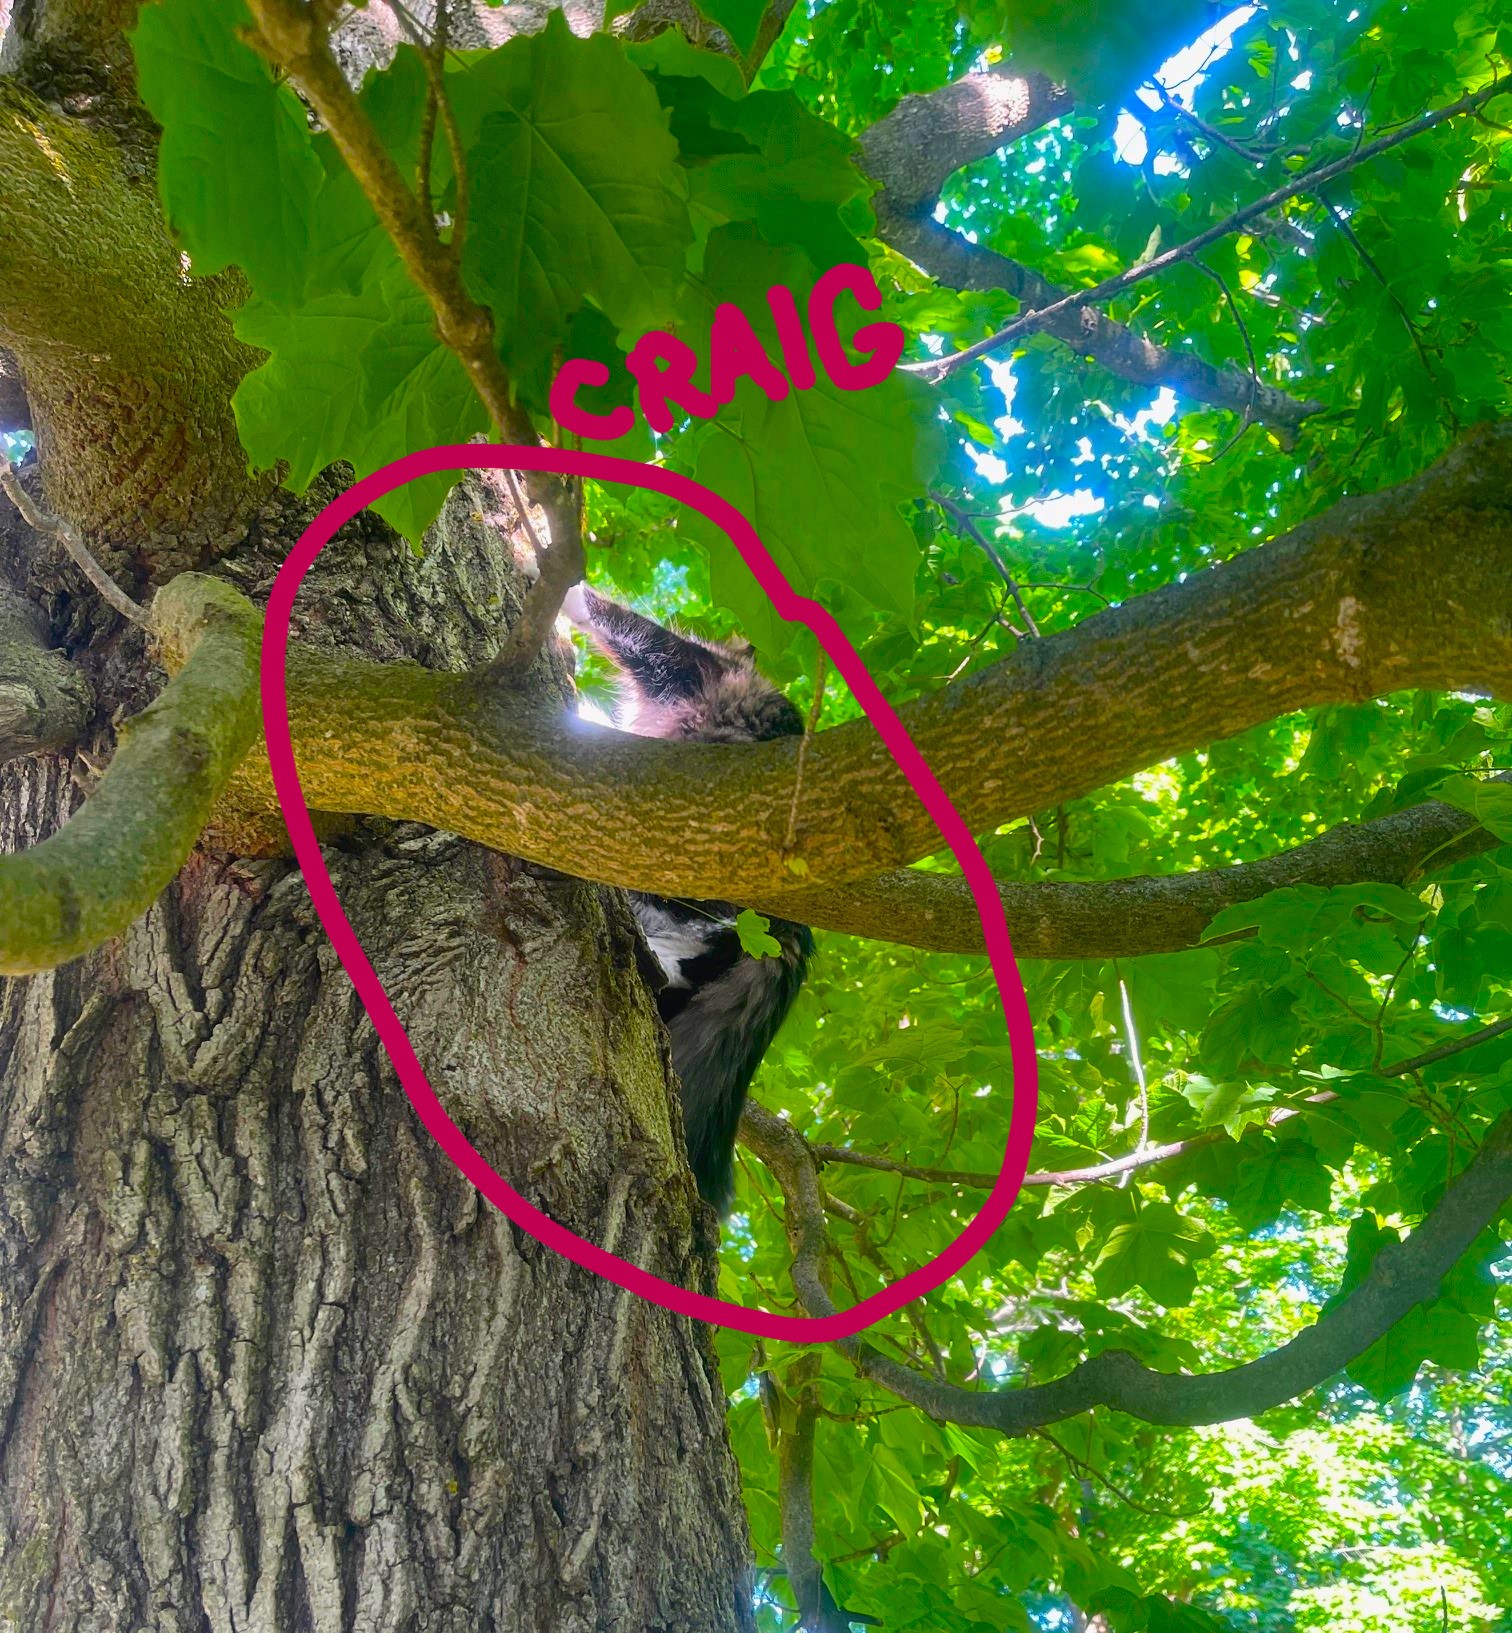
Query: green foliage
{"type": "Point", "coordinates": [740, 19]}
{"type": "Point", "coordinates": [236, 169]}
{"type": "Point", "coordinates": [618, 187]}
{"type": "Point", "coordinates": [546, 178]}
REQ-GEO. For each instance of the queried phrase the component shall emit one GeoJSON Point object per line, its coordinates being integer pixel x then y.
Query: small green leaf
{"type": "Point", "coordinates": [1490, 803]}
{"type": "Point", "coordinates": [752, 929]}
{"type": "Point", "coordinates": [1154, 1249]}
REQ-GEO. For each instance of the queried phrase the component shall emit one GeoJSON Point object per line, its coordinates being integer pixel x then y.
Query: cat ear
{"type": "Point", "coordinates": [664, 667]}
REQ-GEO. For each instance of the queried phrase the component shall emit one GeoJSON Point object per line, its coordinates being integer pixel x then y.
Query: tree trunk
{"type": "Point", "coordinates": [270, 1365]}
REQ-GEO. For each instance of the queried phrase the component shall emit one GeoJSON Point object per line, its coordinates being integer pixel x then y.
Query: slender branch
{"type": "Point", "coordinates": [926, 138]}
{"type": "Point", "coordinates": [107, 864]}
{"type": "Point", "coordinates": [1131, 918]}
{"type": "Point", "coordinates": [41, 520]}
{"type": "Point", "coordinates": [1147, 1155]}
{"type": "Point", "coordinates": [1454, 1046]}
{"type": "Point", "coordinates": [1096, 1474]}
{"type": "Point", "coordinates": [1114, 1168]}
{"type": "Point", "coordinates": [561, 566]}
{"type": "Point", "coordinates": [959, 264]}
{"type": "Point", "coordinates": [291, 35]}
{"type": "Point", "coordinates": [1404, 1275]}
{"type": "Point", "coordinates": [1032, 322]}
{"type": "Point", "coordinates": [1250, 155]}
{"type": "Point", "coordinates": [964, 521]}
{"type": "Point", "coordinates": [795, 1487]}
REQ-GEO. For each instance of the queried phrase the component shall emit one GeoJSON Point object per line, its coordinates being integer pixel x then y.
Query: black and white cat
{"type": "Point", "coordinates": [722, 1007]}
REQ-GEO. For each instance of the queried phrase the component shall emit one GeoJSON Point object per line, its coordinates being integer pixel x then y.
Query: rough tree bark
{"type": "Point", "coordinates": [270, 1365]}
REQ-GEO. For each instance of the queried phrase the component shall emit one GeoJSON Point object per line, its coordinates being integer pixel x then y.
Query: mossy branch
{"type": "Point", "coordinates": [1405, 589]}
{"type": "Point", "coordinates": [108, 863]}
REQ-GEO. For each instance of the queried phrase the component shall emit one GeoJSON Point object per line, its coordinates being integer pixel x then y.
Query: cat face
{"type": "Point", "coordinates": [677, 686]}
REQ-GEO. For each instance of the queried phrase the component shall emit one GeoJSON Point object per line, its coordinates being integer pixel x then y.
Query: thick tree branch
{"type": "Point", "coordinates": [925, 139]}
{"type": "Point", "coordinates": [1127, 918]}
{"type": "Point", "coordinates": [107, 864]}
{"type": "Point", "coordinates": [1403, 1276]}
{"type": "Point", "coordinates": [128, 367]}
{"type": "Point", "coordinates": [45, 702]}
{"type": "Point", "coordinates": [1407, 588]}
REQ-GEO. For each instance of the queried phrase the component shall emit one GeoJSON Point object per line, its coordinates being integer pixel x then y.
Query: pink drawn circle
{"type": "Point", "coordinates": [793, 608]}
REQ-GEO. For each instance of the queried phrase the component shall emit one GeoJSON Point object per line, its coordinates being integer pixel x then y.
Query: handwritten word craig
{"type": "Point", "coordinates": [664, 366]}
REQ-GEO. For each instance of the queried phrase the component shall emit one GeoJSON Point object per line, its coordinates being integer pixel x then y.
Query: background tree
{"type": "Point", "coordinates": [1183, 542]}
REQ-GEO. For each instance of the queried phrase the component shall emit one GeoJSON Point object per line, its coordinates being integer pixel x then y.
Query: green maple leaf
{"type": "Point", "coordinates": [1154, 1249]}
{"type": "Point", "coordinates": [575, 193]}
{"type": "Point", "coordinates": [237, 171]}
{"type": "Point", "coordinates": [360, 378]}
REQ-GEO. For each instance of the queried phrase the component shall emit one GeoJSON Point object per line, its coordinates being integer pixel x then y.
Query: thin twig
{"type": "Point", "coordinates": [1351, 237]}
{"type": "Point", "coordinates": [965, 522]}
{"type": "Point", "coordinates": [520, 504]}
{"type": "Point", "coordinates": [428, 117]}
{"type": "Point", "coordinates": [935, 370]}
{"type": "Point", "coordinates": [1244, 335]}
{"type": "Point", "coordinates": [433, 56]}
{"type": "Point", "coordinates": [1390, 993]}
{"type": "Point", "coordinates": [1249, 154]}
{"type": "Point", "coordinates": [41, 520]}
{"type": "Point", "coordinates": [815, 710]}
{"type": "Point", "coordinates": [1083, 589]}
{"type": "Point", "coordinates": [561, 568]}
{"type": "Point", "coordinates": [1095, 1473]}
{"type": "Point", "coordinates": [1114, 1167]}
{"type": "Point", "coordinates": [1136, 1061]}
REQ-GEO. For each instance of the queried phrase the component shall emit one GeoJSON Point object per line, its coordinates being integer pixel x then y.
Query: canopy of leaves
{"type": "Point", "coordinates": [613, 188]}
